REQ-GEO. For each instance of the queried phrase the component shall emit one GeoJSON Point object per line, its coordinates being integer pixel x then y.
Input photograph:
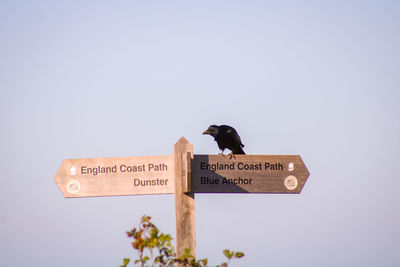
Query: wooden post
{"type": "Point", "coordinates": [184, 199]}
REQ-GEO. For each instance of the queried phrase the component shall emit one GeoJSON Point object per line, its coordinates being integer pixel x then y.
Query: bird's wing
{"type": "Point", "coordinates": [233, 134]}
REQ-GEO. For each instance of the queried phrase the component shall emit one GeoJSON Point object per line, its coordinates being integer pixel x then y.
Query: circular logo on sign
{"type": "Point", "coordinates": [73, 186]}
{"type": "Point", "coordinates": [291, 182]}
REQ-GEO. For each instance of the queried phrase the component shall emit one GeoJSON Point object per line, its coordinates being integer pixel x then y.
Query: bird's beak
{"type": "Point", "coordinates": [206, 132]}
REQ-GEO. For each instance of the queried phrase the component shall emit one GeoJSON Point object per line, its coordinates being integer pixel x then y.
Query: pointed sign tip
{"type": "Point", "coordinates": [182, 139]}
{"type": "Point", "coordinates": [183, 144]}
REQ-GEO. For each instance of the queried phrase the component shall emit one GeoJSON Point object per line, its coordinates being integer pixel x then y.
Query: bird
{"type": "Point", "coordinates": [226, 137]}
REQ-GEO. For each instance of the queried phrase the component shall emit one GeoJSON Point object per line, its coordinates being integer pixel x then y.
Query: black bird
{"type": "Point", "coordinates": [226, 137]}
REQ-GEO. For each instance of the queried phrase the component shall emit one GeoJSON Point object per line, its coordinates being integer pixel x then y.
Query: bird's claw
{"type": "Point", "coordinates": [231, 155]}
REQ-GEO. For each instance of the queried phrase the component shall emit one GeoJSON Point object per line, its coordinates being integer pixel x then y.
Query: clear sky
{"type": "Point", "coordinates": [81, 79]}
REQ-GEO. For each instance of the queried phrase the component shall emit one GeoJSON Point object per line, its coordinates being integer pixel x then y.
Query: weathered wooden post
{"type": "Point", "coordinates": [184, 198]}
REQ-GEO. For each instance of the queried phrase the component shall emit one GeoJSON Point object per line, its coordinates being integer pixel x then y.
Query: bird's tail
{"type": "Point", "coordinates": [239, 150]}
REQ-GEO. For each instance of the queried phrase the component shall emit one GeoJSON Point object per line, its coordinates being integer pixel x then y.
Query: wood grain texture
{"type": "Point", "coordinates": [248, 174]}
{"type": "Point", "coordinates": [116, 176]}
{"type": "Point", "coordinates": [184, 202]}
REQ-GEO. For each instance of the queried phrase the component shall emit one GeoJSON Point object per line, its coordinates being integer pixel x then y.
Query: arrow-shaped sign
{"type": "Point", "coordinates": [248, 174]}
{"type": "Point", "coordinates": [116, 176]}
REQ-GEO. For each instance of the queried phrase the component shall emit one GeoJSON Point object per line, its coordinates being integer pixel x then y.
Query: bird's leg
{"type": "Point", "coordinates": [231, 155]}
{"type": "Point", "coordinates": [222, 154]}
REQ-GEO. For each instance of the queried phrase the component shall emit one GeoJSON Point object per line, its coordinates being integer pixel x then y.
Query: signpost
{"type": "Point", "coordinates": [182, 174]}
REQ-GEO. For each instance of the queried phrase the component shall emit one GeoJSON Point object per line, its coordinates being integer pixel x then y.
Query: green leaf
{"type": "Point", "coordinates": [239, 254]}
{"type": "Point", "coordinates": [204, 262]}
{"type": "Point", "coordinates": [228, 254]}
{"type": "Point", "coordinates": [146, 218]}
{"type": "Point", "coordinates": [187, 250]}
{"type": "Point", "coordinates": [126, 261]}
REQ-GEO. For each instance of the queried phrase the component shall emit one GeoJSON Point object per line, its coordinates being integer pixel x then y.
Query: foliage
{"type": "Point", "coordinates": [155, 249]}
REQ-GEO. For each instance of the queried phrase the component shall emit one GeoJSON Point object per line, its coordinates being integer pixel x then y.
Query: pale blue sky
{"type": "Point", "coordinates": [321, 79]}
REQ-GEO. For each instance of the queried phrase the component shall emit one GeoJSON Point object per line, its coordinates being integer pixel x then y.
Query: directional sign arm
{"type": "Point", "coordinates": [248, 174]}
{"type": "Point", "coordinates": [116, 176]}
